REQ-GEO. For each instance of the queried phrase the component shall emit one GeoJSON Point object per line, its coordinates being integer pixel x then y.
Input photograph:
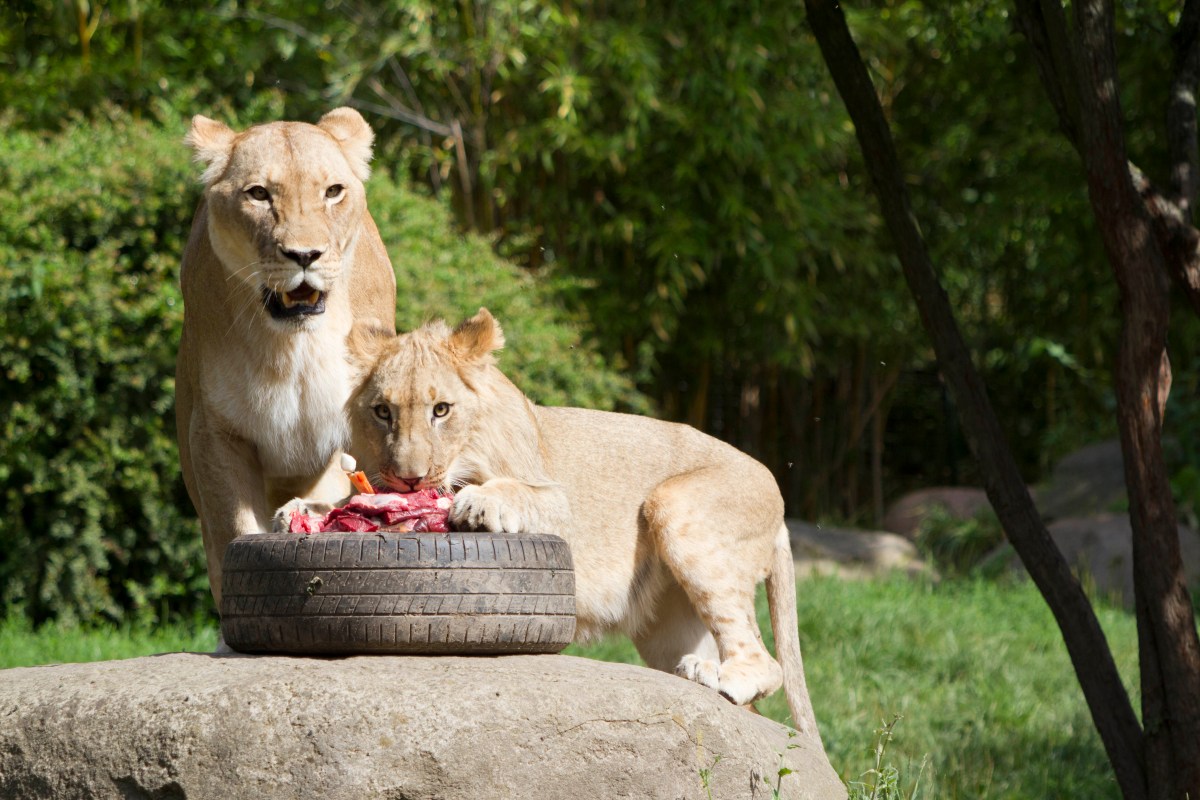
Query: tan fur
{"type": "Point", "coordinates": [670, 529]}
{"type": "Point", "coordinates": [259, 400]}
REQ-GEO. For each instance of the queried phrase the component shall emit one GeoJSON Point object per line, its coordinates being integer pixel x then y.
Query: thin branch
{"type": "Point", "coordinates": [403, 115]}
{"type": "Point", "coordinates": [272, 21]}
{"type": "Point", "coordinates": [406, 114]}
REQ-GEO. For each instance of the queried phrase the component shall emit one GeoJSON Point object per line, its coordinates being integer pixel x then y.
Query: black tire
{"type": "Point", "coordinates": [343, 593]}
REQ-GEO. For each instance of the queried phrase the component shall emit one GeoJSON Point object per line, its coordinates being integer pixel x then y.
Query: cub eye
{"type": "Point", "coordinates": [335, 191]}
{"type": "Point", "coordinates": [259, 193]}
{"type": "Point", "coordinates": [383, 412]}
{"type": "Point", "coordinates": [441, 409]}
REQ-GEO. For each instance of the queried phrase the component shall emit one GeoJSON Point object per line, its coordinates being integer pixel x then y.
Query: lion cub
{"type": "Point", "coordinates": [670, 529]}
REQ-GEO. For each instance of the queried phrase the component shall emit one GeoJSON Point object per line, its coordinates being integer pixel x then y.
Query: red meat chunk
{"type": "Point", "coordinates": [426, 510]}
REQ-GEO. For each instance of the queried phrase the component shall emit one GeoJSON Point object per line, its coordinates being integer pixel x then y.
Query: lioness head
{"type": "Point", "coordinates": [285, 202]}
{"type": "Point", "coordinates": [416, 414]}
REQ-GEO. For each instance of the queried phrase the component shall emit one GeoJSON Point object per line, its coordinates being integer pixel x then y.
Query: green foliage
{"type": "Point", "coordinates": [550, 352]}
{"type": "Point", "coordinates": [92, 224]}
{"type": "Point", "coordinates": [958, 545]}
{"type": "Point", "coordinates": [96, 521]}
{"type": "Point", "coordinates": [883, 780]}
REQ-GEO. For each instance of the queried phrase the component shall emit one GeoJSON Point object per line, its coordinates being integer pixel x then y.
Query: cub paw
{"type": "Point", "coordinates": [476, 508]}
{"type": "Point", "coordinates": [738, 682]}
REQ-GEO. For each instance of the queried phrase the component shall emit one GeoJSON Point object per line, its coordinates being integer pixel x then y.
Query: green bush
{"type": "Point", "coordinates": [94, 519]}
{"type": "Point", "coordinates": [959, 545]}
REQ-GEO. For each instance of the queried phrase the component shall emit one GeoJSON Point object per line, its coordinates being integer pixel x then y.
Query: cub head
{"type": "Point", "coordinates": [285, 205]}
{"type": "Point", "coordinates": [417, 413]}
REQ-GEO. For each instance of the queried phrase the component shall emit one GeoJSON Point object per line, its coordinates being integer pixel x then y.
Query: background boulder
{"type": "Point", "coordinates": [851, 553]}
{"type": "Point", "coordinates": [1099, 547]}
{"type": "Point", "coordinates": [1087, 481]}
{"type": "Point", "coordinates": [402, 728]}
{"type": "Point", "coordinates": [904, 516]}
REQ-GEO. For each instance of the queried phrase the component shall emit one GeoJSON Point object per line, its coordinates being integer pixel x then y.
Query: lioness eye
{"type": "Point", "coordinates": [383, 412]}
{"type": "Point", "coordinates": [334, 191]}
{"type": "Point", "coordinates": [441, 409]}
{"type": "Point", "coordinates": [259, 193]}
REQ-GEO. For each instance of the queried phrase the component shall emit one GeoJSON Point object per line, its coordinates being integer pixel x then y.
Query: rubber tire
{"type": "Point", "coordinates": [398, 593]}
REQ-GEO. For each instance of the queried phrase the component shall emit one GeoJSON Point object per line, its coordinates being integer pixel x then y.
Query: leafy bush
{"type": "Point", "coordinates": [94, 519]}
{"type": "Point", "coordinates": [959, 545]}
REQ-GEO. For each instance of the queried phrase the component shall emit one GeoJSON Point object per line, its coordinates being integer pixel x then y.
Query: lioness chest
{"type": "Point", "coordinates": [288, 400]}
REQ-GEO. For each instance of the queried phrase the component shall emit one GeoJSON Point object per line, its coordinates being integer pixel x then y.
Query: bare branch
{"type": "Point", "coordinates": [403, 115]}
{"type": "Point", "coordinates": [1178, 240]}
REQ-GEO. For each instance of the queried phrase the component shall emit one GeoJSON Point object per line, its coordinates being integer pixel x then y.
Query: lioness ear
{"type": "Point", "coordinates": [476, 338]}
{"type": "Point", "coordinates": [212, 142]}
{"type": "Point", "coordinates": [354, 135]}
{"type": "Point", "coordinates": [365, 344]}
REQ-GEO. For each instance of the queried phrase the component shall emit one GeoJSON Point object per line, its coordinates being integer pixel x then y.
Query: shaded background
{"type": "Point", "coordinates": [662, 202]}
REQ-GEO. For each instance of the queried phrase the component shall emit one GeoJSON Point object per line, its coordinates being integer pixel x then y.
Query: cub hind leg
{"type": "Point", "coordinates": [715, 534]}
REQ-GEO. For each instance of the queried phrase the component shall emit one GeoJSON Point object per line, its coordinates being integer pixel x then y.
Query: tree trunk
{"type": "Point", "coordinates": [1168, 643]}
{"type": "Point", "coordinates": [1086, 645]}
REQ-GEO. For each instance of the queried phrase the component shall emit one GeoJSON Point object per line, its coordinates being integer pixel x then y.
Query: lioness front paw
{"type": "Point", "coordinates": [282, 521]}
{"type": "Point", "coordinates": [476, 508]}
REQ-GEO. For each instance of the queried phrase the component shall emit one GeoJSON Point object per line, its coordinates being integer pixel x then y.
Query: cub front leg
{"type": "Point", "coordinates": [507, 505]}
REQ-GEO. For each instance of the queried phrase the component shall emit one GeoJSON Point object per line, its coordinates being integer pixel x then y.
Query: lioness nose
{"type": "Point", "coordinates": [302, 257]}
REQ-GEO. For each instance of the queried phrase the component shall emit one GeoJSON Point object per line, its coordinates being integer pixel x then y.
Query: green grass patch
{"type": "Point", "coordinates": [976, 671]}
{"type": "Point", "coordinates": [22, 646]}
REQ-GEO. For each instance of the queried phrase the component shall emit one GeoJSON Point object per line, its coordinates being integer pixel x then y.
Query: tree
{"type": "Point", "coordinates": [1147, 235]}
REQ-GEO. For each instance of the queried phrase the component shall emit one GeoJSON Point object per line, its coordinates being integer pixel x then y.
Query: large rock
{"type": "Point", "coordinates": [905, 515]}
{"type": "Point", "coordinates": [851, 553]}
{"type": "Point", "coordinates": [1100, 547]}
{"type": "Point", "coordinates": [1090, 480]}
{"type": "Point", "coordinates": [402, 728]}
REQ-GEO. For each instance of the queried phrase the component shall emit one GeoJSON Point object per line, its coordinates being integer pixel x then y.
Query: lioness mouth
{"type": "Point", "coordinates": [301, 301]}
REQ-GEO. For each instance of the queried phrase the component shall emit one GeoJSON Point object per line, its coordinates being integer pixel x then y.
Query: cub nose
{"type": "Point", "coordinates": [302, 257]}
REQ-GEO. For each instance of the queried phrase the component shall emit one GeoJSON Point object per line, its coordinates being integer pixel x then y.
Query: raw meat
{"type": "Point", "coordinates": [425, 510]}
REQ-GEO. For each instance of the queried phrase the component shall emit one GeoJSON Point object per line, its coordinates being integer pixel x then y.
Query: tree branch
{"type": "Point", "coordinates": [1044, 26]}
{"type": "Point", "coordinates": [1090, 655]}
{"type": "Point", "coordinates": [1166, 625]}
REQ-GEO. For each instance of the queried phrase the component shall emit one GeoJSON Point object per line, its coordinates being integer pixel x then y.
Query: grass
{"type": "Point", "coordinates": [21, 646]}
{"type": "Point", "coordinates": [976, 671]}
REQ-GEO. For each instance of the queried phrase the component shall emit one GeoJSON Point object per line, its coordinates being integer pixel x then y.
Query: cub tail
{"type": "Point", "coordinates": [781, 601]}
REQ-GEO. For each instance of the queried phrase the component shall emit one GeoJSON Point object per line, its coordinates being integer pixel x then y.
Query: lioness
{"type": "Point", "coordinates": [670, 529]}
{"type": "Point", "coordinates": [283, 257]}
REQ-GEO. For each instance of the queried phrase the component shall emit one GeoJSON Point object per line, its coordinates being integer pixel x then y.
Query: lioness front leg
{"type": "Point", "coordinates": [506, 505]}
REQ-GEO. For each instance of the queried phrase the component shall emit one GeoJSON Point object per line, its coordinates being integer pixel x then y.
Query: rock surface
{"type": "Point", "coordinates": [851, 553]}
{"type": "Point", "coordinates": [1100, 547]}
{"type": "Point", "coordinates": [1088, 481]}
{"type": "Point", "coordinates": [402, 728]}
{"type": "Point", "coordinates": [904, 516]}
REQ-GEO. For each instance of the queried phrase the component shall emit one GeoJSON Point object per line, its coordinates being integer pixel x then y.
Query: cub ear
{"type": "Point", "coordinates": [354, 135]}
{"type": "Point", "coordinates": [475, 339]}
{"type": "Point", "coordinates": [365, 344]}
{"type": "Point", "coordinates": [212, 142]}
